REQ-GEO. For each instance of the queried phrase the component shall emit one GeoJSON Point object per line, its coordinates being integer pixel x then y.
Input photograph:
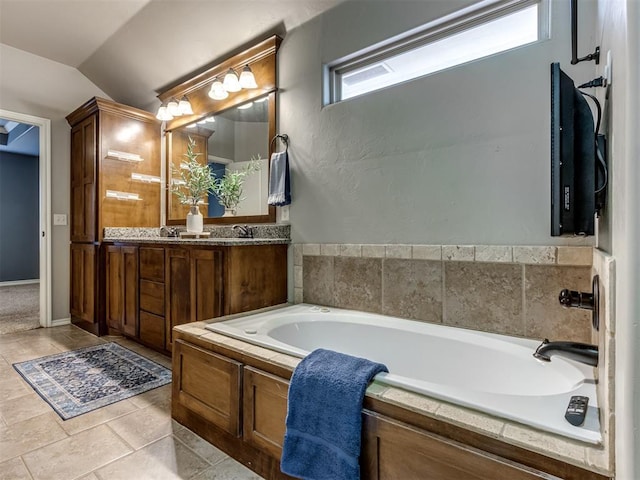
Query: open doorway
{"type": "Point", "coordinates": [25, 291]}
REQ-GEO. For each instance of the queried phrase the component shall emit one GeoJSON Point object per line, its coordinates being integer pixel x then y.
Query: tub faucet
{"type": "Point", "coordinates": [580, 352]}
{"type": "Point", "coordinates": [244, 231]}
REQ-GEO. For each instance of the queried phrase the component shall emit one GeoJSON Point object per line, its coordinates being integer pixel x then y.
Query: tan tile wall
{"type": "Point", "coordinates": [500, 289]}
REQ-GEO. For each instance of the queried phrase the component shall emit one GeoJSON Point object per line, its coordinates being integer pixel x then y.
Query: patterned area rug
{"type": "Point", "coordinates": [82, 380]}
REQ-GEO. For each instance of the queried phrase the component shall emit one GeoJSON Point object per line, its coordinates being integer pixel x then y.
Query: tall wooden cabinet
{"type": "Point", "coordinates": [115, 182]}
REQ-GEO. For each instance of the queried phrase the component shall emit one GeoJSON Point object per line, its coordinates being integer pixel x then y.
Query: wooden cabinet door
{"type": "Point", "coordinates": [121, 288]}
{"type": "Point", "coordinates": [257, 277]}
{"type": "Point", "coordinates": [177, 290]}
{"type": "Point", "coordinates": [82, 219]}
{"type": "Point", "coordinates": [83, 282]}
{"type": "Point", "coordinates": [207, 384]}
{"type": "Point", "coordinates": [130, 291]}
{"type": "Point", "coordinates": [114, 287]}
{"type": "Point", "coordinates": [264, 410]}
{"type": "Point", "coordinates": [206, 284]}
{"type": "Point", "coordinates": [393, 450]}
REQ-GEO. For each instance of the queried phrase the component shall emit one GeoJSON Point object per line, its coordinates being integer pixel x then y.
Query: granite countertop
{"type": "Point", "coordinates": [225, 235]}
{"type": "Point", "coordinates": [591, 457]}
{"type": "Point", "coordinates": [200, 241]}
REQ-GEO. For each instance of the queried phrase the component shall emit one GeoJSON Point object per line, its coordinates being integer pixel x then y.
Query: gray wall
{"type": "Point", "coordinates": [458, 157]}
{"type": "Point", "coordinates": [19, 217]}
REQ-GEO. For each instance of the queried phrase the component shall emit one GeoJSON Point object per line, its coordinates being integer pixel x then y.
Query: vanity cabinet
{"type": "Point", "coordinates": [149, 289]}
{"type": "Point", "coordinates": [115, 182]}
{"type": "Point", "coordinates": [397, 443]}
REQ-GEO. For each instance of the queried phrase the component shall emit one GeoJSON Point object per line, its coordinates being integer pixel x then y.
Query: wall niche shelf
{"type": "Point", "coordinates": [124, 156]}
{"type": "Point", "coordinates": [122, 195]}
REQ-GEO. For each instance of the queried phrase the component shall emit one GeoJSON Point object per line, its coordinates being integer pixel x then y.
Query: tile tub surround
{"type": "Point", "coordinates": [500, 289]}
{"type": "Point", "coordinates": [273, 231]}
{"type": "Point", "coordinates": [593, 458]}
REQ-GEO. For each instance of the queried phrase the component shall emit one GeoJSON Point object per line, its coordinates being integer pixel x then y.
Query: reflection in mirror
{"type": "Point", "coordinates": [227, 141]}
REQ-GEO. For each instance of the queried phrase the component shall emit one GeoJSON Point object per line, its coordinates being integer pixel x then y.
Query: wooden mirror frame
{"type": "Point", "coordinates": [262, 60]}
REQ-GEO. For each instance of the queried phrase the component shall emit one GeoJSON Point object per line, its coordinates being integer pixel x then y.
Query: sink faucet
{"type": "Point", "coordinates": [168, 231]}
{"type": "Point", "coordinates": [244, 231]}
{"type": "Point", "coordinates": [580, 352]}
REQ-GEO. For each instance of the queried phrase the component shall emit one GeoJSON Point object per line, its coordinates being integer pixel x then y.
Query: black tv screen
{"type": "Point", "coordinates": [573, 158]}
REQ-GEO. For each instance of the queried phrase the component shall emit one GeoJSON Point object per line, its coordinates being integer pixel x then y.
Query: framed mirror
{"type": "Point", "coordinates": [226, 135]}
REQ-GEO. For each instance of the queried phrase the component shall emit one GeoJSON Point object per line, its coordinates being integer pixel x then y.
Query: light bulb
{"type": "Point", "coordinates": [163, 114]}
{"type": "Point", "coordinates": [173, 108]}
{"type": "Point", "coordinates": [247, 80]}
{"type": "Point", "coordinates": [231, 83]}
{"type": "Point", "coordinates": [217, 91]}
{"type": "Point", "coordinates": [185, 106]}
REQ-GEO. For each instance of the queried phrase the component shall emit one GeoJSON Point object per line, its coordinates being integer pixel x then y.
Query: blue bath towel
{"type": "Point", "coordinates": [324, 416]}
{"type": "Point", "coordinates": [279, 183]}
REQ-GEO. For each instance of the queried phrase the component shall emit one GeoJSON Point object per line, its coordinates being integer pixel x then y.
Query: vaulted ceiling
{"type": "Point", "coordinates": [132, 49]}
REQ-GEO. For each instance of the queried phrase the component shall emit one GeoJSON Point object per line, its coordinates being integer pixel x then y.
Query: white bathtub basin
{"type": "Point", "coordinates": [496, 374]}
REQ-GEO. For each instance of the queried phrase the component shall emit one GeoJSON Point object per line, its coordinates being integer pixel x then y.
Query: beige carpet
{"type": "Point", "coordinates": [19, 308]}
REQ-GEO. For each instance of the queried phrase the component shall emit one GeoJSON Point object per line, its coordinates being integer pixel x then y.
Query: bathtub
{"type": "Point", "coordinates": [496, 374]}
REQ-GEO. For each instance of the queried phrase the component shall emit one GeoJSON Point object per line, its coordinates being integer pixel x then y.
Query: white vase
{"type": "Point", "coordinates": [194, 220]}
{"type": "Point", "coordinates": [229, 212]}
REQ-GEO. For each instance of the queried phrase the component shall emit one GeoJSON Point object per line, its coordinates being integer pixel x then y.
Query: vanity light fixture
{"type": "Point", "coordinates": [163, 114]}
{"type": "Point", "coordinates": [245, 106]}
{"type": "Point", "coordinates": [247, 80]}
{"type": "Point", "coordinates": [260, 100]}
{"type": "Point", "coordinates": [217, 91]}
{"type": "Point", "coordinates": [231, 82]}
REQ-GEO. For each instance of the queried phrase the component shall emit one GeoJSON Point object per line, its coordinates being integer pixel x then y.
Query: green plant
{"type": "Point", "coordinates": [229, 187]}
{"type": "Point", "coordinates": [195, 179]}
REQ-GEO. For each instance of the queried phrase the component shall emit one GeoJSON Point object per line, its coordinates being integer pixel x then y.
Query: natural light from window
{"type": "Point", "coordinates": [506, 32]}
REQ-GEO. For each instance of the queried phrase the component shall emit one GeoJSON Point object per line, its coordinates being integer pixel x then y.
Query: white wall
{"type": "Point", "coordinates": [618, 22]}
{"type": "Point", "coordinates": [36, 86]}
{"type": "Point", "coordinates": [458, 157]}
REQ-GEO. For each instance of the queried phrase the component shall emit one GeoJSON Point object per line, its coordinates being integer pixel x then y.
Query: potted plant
{"type": "Point", "coordinates": [229, 187]}
{"type": "Point", "coordinates": [195, 181]}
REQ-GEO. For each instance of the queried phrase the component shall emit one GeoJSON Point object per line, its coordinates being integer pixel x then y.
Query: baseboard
{"type": "Point", "coordinates": [19, 282]}
{"type": "Point", "coordinates": [61, 321]}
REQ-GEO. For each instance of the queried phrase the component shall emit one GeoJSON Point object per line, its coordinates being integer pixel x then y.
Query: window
{"type": "Point", "coordinates": [440, 45]}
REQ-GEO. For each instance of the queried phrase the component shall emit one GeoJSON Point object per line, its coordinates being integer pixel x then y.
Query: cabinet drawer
{"type": "Point", "coordinates": [265, 410]}
{"type": "Point", "coordinates": [152, 329]}
{"type": "Point", "coordinates": [152, 297]}
{"type": "Point", "coordinates": [152, 264]}
{"type": "Point", "coordinates": [207, 384]}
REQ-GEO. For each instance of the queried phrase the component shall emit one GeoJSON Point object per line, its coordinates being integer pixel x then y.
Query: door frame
{"type": "Point", "coordinates": [44, 126]}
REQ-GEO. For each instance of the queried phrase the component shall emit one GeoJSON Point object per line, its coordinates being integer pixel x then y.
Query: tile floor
{"type": "Point", "coordinates": [132, 439]}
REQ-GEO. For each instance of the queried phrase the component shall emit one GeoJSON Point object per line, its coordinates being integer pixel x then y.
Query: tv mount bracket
{"type": "Point", "coordinates": [574, 39]}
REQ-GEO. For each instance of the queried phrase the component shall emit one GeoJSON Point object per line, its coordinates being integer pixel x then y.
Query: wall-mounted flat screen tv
{"type": "Point", "coordinates": [575, 165]}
